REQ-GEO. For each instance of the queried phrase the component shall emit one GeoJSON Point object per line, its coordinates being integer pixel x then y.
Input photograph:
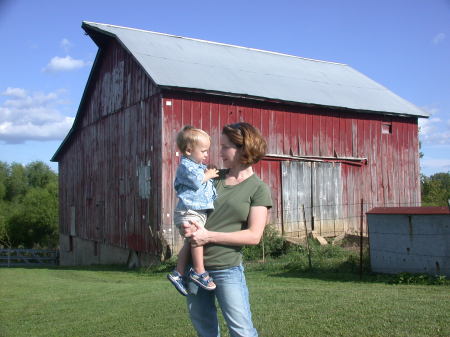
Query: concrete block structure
{"type": "Point", "coordinates": [410, 239]}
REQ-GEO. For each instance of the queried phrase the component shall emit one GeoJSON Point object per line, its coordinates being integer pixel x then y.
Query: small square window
{"type": "Point", "coordinates": [386, 128]}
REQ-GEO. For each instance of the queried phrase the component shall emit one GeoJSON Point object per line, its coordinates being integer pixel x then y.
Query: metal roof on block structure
{"type": "Point", "coordinates": [190, 64]}
{"type": "Point", "coordinates": [411, 210]}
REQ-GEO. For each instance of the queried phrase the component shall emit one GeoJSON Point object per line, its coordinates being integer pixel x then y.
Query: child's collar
{"type": "Point", "coordinates": [193, 161]}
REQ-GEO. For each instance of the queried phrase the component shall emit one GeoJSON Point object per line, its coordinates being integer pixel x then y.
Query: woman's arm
{"type": "Point", "coordinates": [257, 219]}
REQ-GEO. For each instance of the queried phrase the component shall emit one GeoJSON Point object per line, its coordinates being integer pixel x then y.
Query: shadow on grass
{"type": "Point", "coordinates": [161, 268]}
{"type": "Point", "coordinates": [331, 275]}
{"type": "Point", "coordinates": [345, 272]}
{"type": "Point", "coordinates": [340, 272]}
{"type": "Point", "coordinates": [366, 277]}
{"type": "Point", "coordinates": [343, 268]}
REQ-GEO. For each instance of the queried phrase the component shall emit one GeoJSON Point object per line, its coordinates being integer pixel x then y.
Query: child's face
{"type": "Point", "coordinates": [199, 152]}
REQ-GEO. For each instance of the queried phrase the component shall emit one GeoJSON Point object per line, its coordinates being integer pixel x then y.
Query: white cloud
{"type": "Point", "coordinates": [435, 165]}
{"type": "Point", "coordinates": [435, 130]}
{"type": "Point", "coordinates": [15, 92]}
{"type": "Point", "coordinates": [35, 116]}
{"type": "Point", "coordinates": [64, 64]}
{"type": "Point", "coordinates": [439, 38]}
{"type": "Point", "coordinates": [66, 45]}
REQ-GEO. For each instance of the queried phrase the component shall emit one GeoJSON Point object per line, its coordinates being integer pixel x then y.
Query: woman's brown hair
{"type": "Point", "coordinates": [247, 138]}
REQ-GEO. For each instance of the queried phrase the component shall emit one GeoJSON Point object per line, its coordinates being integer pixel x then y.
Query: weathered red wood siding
{"type": "Point", "coordinates": [390, 177]}
{"type": "Point", "coordinates": [103, 169]}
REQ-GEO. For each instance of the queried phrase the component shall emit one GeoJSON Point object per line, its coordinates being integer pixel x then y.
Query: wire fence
{"type": "Point", "coordinates": [342, 224]}
{"type": "Point", "coordinates": [328, 219]}
{"type": "Point", "coordinates": [28, 257]}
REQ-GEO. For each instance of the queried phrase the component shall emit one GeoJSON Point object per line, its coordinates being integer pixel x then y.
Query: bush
{"type": "Point", "coordinates": [408, 278]}
{"type": "Point", "coordinates": [35, 222]}
{"type": "Point", "coordinates": [28, 205]}
{"type": "Point", "coordinates": [272, 244]}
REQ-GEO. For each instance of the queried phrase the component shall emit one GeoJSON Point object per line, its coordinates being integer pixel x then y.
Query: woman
{"type": "Point", "coordinates": [239, 217]}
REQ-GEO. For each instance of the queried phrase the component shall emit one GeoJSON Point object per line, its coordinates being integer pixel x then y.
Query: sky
{"type": "Point", "coordinates": [46, 57]}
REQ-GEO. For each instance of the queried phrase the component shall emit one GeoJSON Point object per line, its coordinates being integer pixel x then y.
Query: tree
{"type": "Point", "coordinates": [28, 205]}
{"type": "Point", "coordinates": [436, 189]}
{"type": "Point", "coordinates": [35, 222]}
{"type": "Point", "coordinates": [39, 174]}
{"type": "Point", "coordinates": [17, 182]}
{"type": "Point", "coordinates": [3, 178]}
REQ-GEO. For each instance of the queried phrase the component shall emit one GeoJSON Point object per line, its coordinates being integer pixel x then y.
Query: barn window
{"type": "Point", "coordinates": [386, 128]}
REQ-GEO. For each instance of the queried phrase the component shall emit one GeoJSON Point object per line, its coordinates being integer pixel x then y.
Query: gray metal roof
{"type": "Point", "coordinates": [174, 61]}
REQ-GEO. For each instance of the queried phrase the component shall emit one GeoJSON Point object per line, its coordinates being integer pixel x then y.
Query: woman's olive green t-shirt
{"type": "Point", "coordinates": [231, 210]}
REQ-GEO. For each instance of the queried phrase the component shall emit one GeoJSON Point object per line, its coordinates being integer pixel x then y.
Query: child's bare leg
{"type": "Point", "coordinates": [197, 259]}
{"type": "Point", "coordinates": [199, 267]}
{"type": "Point", "coordinates": [183, 257]}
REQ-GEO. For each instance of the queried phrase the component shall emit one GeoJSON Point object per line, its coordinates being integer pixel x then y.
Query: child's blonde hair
{"type": "Point", "coordinates": [188, 137]}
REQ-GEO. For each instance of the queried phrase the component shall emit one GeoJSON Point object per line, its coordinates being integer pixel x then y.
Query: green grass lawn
{"type": "Point", "coordinates": [117, 302]}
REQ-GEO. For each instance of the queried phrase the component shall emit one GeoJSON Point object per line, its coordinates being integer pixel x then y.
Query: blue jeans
{"type": "Point", "coordinates": [232, 295]}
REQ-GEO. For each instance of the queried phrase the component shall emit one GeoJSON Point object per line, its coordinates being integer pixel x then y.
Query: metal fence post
{"type": "Point", "coordinates": [361, 240]}
{"type": "Point", "coordinates": [306, 237]}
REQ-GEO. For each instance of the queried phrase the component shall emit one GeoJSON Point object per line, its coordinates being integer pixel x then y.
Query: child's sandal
{"type": "Point", "coordinates": [202, 280]}
{"type": "Point", "coordinates": [178, 282]}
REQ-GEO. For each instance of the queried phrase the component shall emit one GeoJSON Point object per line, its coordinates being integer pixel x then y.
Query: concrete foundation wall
{"type": "Point", "coordinates": [86, 252]}
{"type": "Point", "coordinates": [418, 243]}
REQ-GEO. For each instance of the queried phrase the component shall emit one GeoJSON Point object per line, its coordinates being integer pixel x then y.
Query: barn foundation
{"type": "Point", "coordinates": [75, 251]}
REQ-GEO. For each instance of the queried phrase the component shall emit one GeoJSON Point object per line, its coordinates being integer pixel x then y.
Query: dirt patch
{"type": "Point", "coordinates": [352, 242]}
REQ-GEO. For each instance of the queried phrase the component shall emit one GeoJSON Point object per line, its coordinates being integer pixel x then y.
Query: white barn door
{"type": "Point", "coordinates": [316, 186]}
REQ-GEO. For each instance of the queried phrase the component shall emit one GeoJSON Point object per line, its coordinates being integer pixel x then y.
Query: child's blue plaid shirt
{"type": "Point", "coordinates": [191, 192]}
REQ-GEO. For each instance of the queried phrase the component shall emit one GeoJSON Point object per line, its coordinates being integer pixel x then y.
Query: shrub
{"type": "Point", "coordinates": [408, 278]}
{"type": "Point", "coordinates": [35, 221]}
{"type": "Point", "coordinates": [272, 244]}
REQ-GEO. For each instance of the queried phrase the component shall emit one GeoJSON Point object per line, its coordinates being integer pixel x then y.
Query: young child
{"type": "Point", "coordinates": [196, 194]}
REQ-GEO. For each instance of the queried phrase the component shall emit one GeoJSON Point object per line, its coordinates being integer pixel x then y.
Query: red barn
{"type": "Point", "coordinates": [335, 138]}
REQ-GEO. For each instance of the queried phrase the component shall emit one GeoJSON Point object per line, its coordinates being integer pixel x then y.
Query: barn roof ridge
{"type": "Point", "coordinates": [216, 43]}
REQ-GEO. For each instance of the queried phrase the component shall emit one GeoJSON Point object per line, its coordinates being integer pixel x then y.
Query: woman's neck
{"type": "Point", "coordinates": [240, 173]}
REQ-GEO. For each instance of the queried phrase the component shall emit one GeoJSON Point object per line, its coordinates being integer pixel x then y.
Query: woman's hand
{"type": "Point", "coordinates": [199, 235]}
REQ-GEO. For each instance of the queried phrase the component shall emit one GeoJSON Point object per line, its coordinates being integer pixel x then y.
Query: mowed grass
{"type": "Point", "coordinates": [117, 302]}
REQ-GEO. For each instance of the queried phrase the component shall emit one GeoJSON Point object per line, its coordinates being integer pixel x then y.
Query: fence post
{"type": "Point", "coordinates": [263, 250]}
{"type": "Point", "coordinates": [361, 240]}
{"type": "Point", "coordinates": [306, 237]}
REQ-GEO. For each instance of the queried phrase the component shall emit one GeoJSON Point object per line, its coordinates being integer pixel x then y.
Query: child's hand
{"type": "Point", "coordinates": [211, 173]}
{"type": "Point", "coordinates": [189, 228]}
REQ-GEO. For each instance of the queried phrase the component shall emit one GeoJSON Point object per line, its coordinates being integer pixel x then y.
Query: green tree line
{"type": "Point", "coordinates": [28, 206]}
{"type": "Point", "coordinates": [29, 203]}
{"type": "Point", "coordinates": [435, 189]}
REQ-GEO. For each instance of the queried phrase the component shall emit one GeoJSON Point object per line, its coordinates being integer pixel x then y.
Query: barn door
{"type": "Point", "coordinates": [318, 187]}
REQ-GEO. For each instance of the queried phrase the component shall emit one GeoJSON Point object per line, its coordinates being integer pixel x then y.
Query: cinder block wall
{"type": "Point", "coordinates": [414, 243]}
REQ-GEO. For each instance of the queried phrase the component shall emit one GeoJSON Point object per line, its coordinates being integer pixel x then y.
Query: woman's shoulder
{"type": "Point", "coordinates": [262, 194]}
{"type": "Point", "coordinates": [257, 180]}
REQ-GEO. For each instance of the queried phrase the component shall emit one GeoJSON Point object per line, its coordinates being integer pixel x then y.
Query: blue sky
{"type": "Point", "coordinates": [46, 58]}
